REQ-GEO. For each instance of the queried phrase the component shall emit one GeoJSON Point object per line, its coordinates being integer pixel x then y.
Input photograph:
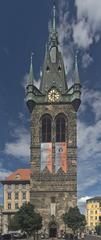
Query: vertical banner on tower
{"type": "Point", "coordinates": [46, 156]}
{"type": "Point", "coordinates": [61, 156]}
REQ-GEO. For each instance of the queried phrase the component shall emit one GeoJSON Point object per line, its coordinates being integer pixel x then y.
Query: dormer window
{"type": "Point", "coordinates": [47, 69]}
{"type": "Point", "coordinates": [60, 129]}
{"type": "Point", "coordinates": [17, 176]}
{"type": "Point", "coordinates": [46, 129]}
{"type": "Point", "coordinates": [59, 68]}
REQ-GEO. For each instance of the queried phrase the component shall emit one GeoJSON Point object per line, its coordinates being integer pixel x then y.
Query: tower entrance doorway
{"type": "Point", "coordinates": [52, 230]}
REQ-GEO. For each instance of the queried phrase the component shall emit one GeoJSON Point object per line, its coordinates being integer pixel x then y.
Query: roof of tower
{"type": "Point", "coordinates": [53, 71]}
{"type": "Point", "coordinates": [53, 76]}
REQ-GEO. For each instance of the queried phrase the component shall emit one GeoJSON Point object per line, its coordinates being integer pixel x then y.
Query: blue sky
{"type": "Point", "coordinates": [24, 28]}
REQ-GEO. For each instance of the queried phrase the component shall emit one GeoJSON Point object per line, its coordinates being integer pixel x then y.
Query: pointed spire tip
{"type": "Point", "coordinates": [76, 55]}
{"type": "Point", "coordinates": [54, 17]}
{"type": "Point", "coordinates": [32, 56]}
{"type": "Point", "coordinates": [77, 80]}
{"type": "Point", "coordinates": [31, 76]}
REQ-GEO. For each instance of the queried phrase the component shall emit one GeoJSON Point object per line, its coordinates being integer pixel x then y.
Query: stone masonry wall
{"type": "Point", "coordinates": [44, 186]}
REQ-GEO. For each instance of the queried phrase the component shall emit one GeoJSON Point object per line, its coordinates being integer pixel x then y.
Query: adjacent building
{"type": "Point", "coordinates": [53, 109]}
{"type": "Point", "coordinates": [93, 212]}
{"type": "Point", "coordinates": [1, 210]}
{"type": "Point", "coordinates": [16, 193]}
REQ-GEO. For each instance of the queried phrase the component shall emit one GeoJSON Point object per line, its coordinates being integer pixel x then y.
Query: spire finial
{"type": "Point", "coordinates": [31, 77]}
{"type": "Point", "coordinates": [77, 79]}
{"type": "Point", "coordinates": [76, 58]}
{"type": "Point", "coordinates": [54, 17]}
{"type": "Point", "coordinates": [53, 35]}
{"type": "Point", "coordinates": [32, 59]}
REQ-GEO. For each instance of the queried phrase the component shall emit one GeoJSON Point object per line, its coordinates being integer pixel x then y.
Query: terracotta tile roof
{"type": "Point", "coordinates": [97, 198]}
{"type": "Point", "coordinates": [20, 174]}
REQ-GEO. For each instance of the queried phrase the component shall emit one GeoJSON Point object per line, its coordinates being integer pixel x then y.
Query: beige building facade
{"type": "Point", "coordinates": [93, 212]}
{"type": "Point", "coordinates": [16, 193]}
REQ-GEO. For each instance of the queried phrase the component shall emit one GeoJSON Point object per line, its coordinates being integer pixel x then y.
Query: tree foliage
{"type": "Point", "coordinates": [74, 219]}
{"type": "Point", "coordinates": [26, 219]}
{"type": "Point", "coordinates": [98, 229]}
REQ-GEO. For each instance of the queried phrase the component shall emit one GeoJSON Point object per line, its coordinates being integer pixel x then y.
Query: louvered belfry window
{"type": "Point", "coordinates": [46, 129]}
{"type": "Point", "coordinates": [60, 129]}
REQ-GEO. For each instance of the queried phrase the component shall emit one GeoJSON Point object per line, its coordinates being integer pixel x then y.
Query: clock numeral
{"type": "Point", "coordinates": [53, 95]}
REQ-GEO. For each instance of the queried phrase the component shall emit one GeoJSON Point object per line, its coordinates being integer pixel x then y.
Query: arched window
{"type": "Point", "coordinates": [46, 129]}
{"type": "Point", "coordinates": [60, 128]}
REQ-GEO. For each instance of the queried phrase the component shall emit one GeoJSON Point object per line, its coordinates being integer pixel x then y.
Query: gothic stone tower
{"type": "Point", "coordinates": [53, 110]}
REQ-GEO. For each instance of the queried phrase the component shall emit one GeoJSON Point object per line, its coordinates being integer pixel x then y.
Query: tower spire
{"type": "Point", "coordinates": [30, 87]}
{"type": "Point", "coordinates": [76, 71]}
{"type": "Point", "coordinates": [53, 74]}
{"type": "Point", "coordinates": [31, 76]}
{"type": "Point", "coordinates": [54, 18]}
{"type": "Point", "coordinates": [53, 36]}
{"type": "Point", "coordinates": [77, 85]}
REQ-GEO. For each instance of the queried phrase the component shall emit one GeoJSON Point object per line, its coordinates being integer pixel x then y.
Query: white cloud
{"type": "Point", "coordinates": [84, 199]}
{"type": "Point", "coordinates": [71, 34]}
{"type": "Point", "coordinates": [19, 146]}
{"type": "Point", "coordinates": [89, 142]}
{"type": "Point", "coordinates": [64, 33]}
{"type": "Point", "coordinates": [82, 203]}
{"type": "Point", "coordinates": [97, 37]}
{"type": "Point", "coordinates": [91, 10]}
{"type": "Point", "coordinates": [91, 98]}
{"type": "Point", "coordinates": [4, 173]}
{"type": "Point", "coordinates": [86, 60]}
{"type": "Point", "coordinates": [88, 26]}
{"type": "Point", "coordinates": [82, 35]}
{"type": "Point", "coordinates": [88, 176]}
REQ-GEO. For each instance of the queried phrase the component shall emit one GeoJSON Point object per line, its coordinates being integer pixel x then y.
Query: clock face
{"type": "Point", "coordinates": [53, 95]}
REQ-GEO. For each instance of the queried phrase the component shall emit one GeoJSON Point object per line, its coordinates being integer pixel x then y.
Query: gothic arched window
{"type": "Point", "coordinates": [60, 128]}
{"type": "Point", "coordinates": [46, 129]}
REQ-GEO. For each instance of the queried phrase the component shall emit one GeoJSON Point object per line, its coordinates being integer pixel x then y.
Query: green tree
{"type": "Point", "coordinates": [74, 219]}
{"type": "Point", "coordinates": [26, 219]}
{"type": "Point", "coordinates": [98, 229]}
{"type": "Point", "coordinates": [13, 223]}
